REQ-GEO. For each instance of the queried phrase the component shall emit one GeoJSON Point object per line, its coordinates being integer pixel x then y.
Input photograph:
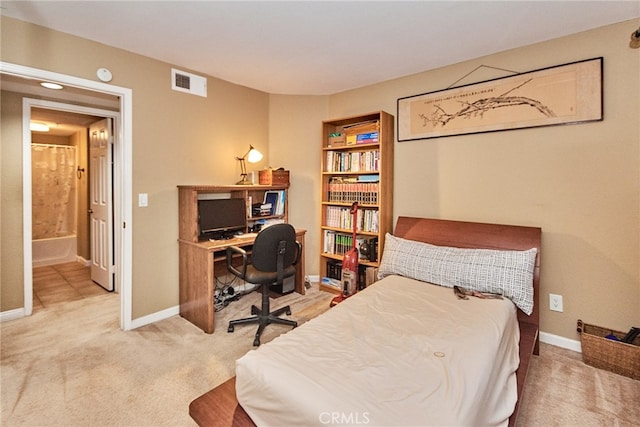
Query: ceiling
{"type": "Point", "coordinates": [61, 123]}
{"type": "Point", "coordinates": [318, 47]}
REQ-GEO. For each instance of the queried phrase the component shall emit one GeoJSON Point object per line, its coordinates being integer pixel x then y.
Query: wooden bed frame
{"type": "Point", "coordinates": [219, 406]}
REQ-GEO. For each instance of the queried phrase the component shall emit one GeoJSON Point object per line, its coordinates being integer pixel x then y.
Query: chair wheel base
{"type": "Point", "coordinates": [230, 329]}
{"type": "Point", "coordinates": [256, 342]}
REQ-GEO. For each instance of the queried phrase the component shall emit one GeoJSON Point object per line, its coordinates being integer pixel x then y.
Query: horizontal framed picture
{"type": "Point", "coordinates": [564, 94]}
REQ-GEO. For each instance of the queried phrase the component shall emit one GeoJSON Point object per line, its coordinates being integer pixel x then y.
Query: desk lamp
{"type": "Point", "coordinates": [252, 156]}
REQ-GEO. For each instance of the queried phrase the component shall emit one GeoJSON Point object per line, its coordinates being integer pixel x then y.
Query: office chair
{"type": "Point", "coordinates": [274, 256]}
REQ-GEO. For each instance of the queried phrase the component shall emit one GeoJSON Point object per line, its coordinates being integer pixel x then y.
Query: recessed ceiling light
{"type": "Point", "coordinates": [38, 127]}
{"type": "Point", "coordinates": [50, 85]}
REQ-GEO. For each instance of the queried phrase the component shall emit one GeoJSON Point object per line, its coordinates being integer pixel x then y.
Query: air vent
{"type": "Point", "coordinates": [182, 81]}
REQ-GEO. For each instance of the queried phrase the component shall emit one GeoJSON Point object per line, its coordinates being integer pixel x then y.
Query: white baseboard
{"type": "Point", "coordinates": [155, 317]}
{"type": "Point", "coordinates": [18, 313]}
{"type": "Point", "coordinates": [313, 278]}
{"type": "Point", "coordinates": [14, 314]}
{"type": "Point", "coordinates": [561, 342]}
{"type": "Point", "coordinates": [85, 262]}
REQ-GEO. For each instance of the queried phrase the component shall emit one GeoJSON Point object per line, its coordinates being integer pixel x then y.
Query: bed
{"type": "Point", "coordinates": [405, 351]}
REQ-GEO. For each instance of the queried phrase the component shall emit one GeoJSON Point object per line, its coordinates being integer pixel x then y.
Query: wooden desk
{"type": "Point", "coordinates": [200, 263]}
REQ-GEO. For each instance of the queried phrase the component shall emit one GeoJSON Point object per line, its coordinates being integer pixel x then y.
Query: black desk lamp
{"type": "Point", "coordinates": [251, 156]}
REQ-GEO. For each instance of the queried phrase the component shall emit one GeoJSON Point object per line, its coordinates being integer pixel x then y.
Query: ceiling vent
{"type": "Point", "coordinates": [188, 83]}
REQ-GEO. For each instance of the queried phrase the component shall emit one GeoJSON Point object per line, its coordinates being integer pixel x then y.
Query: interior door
{"type": "Point", "coordinates": [100, 206]}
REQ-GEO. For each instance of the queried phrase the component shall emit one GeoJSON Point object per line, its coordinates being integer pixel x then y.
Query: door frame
{"type": "Point", "coordinates": [122, 182]}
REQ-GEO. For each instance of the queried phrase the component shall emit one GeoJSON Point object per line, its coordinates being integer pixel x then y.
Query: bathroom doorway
{"type": "Point", "coordinates": [63, 228]}
{"type": "Point", "coordinates": [122, 209]}
{"type": "Point", "coordinates": [67, 179]}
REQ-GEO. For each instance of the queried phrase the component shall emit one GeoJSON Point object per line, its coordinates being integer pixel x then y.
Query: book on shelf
{"type": "Point", "coordinates": [341, 217]}
{"type": "Point", "coordinates": [349, 190]}
{"type": "Point", "coordinates": [367, 138]}
{"type": "Point", "coordinates": [352, 161]}
{"type": "Point", "coordinates": [366, 275]}
{"type": "Point", "coordinates": [338, 243]}
{"type": "Point", "coordinates": [277, 201]}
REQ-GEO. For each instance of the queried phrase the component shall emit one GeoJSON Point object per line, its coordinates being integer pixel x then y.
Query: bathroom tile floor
{"type": "Point", "coordinates": [56, 284]}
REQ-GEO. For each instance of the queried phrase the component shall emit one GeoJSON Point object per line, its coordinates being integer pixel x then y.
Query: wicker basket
{"type": "Point", "coordinates": [615, 356]}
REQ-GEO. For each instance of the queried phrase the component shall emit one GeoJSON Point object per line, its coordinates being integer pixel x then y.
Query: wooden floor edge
{"type": "Point", "coordinates": [219, 407]}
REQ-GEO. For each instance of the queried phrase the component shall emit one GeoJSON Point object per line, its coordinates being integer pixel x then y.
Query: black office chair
{"type": "Point", "coordinates": [274, 256]}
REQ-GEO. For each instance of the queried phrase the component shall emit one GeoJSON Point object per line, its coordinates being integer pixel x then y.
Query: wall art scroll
{"type": "Point", "coordinates": [568, 93]}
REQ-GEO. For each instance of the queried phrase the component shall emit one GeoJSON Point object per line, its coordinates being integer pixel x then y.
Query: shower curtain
{"type": "Point", "coordinates": [53, 176]}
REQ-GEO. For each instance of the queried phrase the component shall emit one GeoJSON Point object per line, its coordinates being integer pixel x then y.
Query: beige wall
{"type": "Point", "coordinates": [177, 139]}
{"type": "Point", "coordinates": [295, 132]}
{"type": "Point", "coordinates": [11, 253]}
{"type": "Point", "coordinates": [580, 183]}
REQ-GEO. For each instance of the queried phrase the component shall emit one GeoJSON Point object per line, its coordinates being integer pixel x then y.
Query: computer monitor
{"type": "Point", "coordinates": [220, 218]}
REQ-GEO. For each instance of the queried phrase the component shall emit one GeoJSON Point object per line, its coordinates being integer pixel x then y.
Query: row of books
{"type": "Point", "coordinates": [352, 161]}
{"type": "Point", "coordinates": [341, 217]}
{"type": "Point", "coordinates": [366, 274]}
{"type": "Point", "coordinates": [338, 243]}
{"type": "Point", "coordinates": [348, 191]}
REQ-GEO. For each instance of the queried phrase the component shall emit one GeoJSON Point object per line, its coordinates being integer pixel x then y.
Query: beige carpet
{"type": "Point", "coordinates": [562, 391]}
{"type": "Point", "coordinates": [71, 365]}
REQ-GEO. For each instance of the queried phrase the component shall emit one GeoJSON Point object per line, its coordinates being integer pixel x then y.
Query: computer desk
{"type": "Point", "coordinates": [201, 262]}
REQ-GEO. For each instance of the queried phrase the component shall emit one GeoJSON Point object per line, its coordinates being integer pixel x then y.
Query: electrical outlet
{"type": "Point", "coordinates": [555, 302]}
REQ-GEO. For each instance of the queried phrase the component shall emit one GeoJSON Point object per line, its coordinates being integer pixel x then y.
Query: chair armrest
{"type": "Point", "coordinates": [295, 261]}
{"type": "Point", "coordinates": [231, 250]}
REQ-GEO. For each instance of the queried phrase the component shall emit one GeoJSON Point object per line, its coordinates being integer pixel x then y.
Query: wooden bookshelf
{"type": "Point", "coordinates": [357, 165]}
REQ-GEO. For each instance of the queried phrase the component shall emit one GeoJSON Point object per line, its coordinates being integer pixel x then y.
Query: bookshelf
{"type": "Point", "coordinates": [357, 166]}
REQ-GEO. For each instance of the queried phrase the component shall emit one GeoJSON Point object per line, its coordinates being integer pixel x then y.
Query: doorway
{"type": "Point", "coordinates": [72, 191]}
{"type": "Point", "coordinates": [122, 208]}
{"type": "Point", "coordinates": [103, 264]}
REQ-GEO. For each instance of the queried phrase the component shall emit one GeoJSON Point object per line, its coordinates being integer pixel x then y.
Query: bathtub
{"type": "Point", "coordinates": [56, 250]}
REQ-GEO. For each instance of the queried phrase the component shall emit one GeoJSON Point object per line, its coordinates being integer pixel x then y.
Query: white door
{"type": "Point", "coordinates": [100, 209]}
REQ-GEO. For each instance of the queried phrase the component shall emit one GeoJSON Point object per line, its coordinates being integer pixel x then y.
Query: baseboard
{"type": "Point", "coordinates": [14, 314]}
{"type": "Point", "coordinates": [155, 317]}
{"type": "Point", "coordinates": [561, 342]}
{"type": "Point", "coordinates": [18, 313]}
{"type": "Point", "coordinates": [313, 278]}
{"type": "Point", "coordinates": [85, 262]}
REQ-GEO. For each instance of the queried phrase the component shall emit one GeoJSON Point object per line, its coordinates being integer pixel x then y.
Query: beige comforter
{"type": "Point", "coordinates": [400, 353]}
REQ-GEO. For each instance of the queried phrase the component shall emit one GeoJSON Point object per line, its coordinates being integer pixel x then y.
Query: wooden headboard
{"type": "Point", "coordinates": [487, 236]}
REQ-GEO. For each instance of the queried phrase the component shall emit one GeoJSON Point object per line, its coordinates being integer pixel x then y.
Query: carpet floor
{"type": "Point", "coordinates": [71, 365]}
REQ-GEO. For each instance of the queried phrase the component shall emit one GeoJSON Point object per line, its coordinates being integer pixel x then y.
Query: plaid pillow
{"type": "Point", "coordinates": [508, 273]}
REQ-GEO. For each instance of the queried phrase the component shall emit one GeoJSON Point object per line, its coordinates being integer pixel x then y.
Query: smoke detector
{"type": "Point", "coordinates": [182, 81]}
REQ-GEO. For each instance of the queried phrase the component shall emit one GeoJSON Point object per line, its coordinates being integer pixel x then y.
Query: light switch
{"type": "Point", "coordinates": [143, 200]}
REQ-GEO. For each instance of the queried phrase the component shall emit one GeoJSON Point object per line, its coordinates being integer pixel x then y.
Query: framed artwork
{"type": "Point", "coordinates": [568, 93]}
